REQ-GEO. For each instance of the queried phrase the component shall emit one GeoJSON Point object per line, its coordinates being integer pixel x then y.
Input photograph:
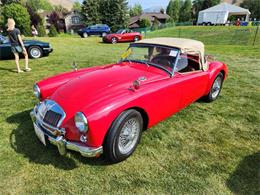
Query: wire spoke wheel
{"type": "Point", "coordinates": [129, 135]}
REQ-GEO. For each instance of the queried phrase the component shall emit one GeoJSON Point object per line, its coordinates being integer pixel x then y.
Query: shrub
{"type": "Point", "coordinates": [53, 31]}
{"type": "Point", "coordinates": [41, 31]}
{"type": "Point", "coordinates": [20, 15]}
{"type": "Point", "coordinates": [145, 22]}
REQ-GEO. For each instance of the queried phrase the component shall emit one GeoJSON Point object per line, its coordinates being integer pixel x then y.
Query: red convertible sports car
{"type": "Point", "coordinates": [105, 109]}
{"type": "Point", "coordinates": [124, 35]}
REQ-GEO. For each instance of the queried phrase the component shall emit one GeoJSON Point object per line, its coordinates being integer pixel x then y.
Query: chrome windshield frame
{"type": "Point", "coordinates": [171, 73]}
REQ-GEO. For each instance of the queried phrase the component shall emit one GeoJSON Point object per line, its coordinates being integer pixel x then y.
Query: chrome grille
{"type": "Point", "coordinates": [52, 118]}
{"type": "Point", "coordinates": [50, 114]}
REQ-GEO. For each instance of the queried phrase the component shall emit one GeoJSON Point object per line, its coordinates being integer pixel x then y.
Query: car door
{"type": "Point", "coordinates": [192, 86]}
{"type": "Point", "coordinates": [5, 49]}
{"type": "Point", "coordinates": [124, 36]}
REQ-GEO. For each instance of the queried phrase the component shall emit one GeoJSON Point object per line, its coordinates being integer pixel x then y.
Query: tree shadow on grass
{"type": "Point", "coordinates": [246, 178]}
{"type": "Point", "coordinates": [24, 141]}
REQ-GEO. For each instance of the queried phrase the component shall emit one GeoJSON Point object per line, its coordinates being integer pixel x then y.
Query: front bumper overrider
{"type": "Point", "coordinates": [62, 144]}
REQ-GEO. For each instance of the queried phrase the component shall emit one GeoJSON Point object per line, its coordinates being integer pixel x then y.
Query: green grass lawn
{"type": "Point", "coordinates": [204, 149]}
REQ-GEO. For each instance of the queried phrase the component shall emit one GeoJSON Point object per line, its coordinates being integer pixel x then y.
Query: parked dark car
{"type": "Point", "coordinates": [98, 29]}
{"type": "Point", "coordinates": [35, 49]}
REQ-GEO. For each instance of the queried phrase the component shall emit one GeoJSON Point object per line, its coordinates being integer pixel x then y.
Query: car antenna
{"type": "Point", "coordinates": [74, 65]}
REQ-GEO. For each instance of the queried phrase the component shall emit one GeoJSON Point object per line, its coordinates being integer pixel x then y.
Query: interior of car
{"type": "Point", "coordinates": [187, 63]}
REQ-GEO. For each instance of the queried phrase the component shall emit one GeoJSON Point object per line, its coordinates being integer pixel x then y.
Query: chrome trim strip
{"type": "Point", "coordinates": [62, 144]}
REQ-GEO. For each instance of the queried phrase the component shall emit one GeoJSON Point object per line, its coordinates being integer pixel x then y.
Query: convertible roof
{"type": "Point", "coordinates": [185, 45]}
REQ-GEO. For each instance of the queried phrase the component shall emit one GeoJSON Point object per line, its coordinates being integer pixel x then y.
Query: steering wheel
{"type": "Point", "coordinates": [164, 60]}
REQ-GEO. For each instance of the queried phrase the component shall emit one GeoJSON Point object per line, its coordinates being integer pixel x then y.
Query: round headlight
{"type": "Point", "coordinates": [81, 122]}
{"type": "Point", "coordinates": [36, 91]}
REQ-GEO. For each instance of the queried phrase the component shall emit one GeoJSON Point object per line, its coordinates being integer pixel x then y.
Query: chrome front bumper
{"type": "Point", "coordinates": [63, 144]}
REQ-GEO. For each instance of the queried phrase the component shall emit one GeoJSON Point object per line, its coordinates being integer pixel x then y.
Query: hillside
{"type": "Point", "coordinates": [68, 4]}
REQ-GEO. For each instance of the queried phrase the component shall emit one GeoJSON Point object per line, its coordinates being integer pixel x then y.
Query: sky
{"type": "Point", "coordinates": [149, 3]}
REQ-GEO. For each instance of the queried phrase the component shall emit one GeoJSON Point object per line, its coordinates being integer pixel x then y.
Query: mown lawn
{"type": "Point", "coordinates": [204, 149]}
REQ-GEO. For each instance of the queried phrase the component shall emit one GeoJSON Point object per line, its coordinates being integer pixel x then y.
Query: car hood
{"type": "Point", "coordinates": [104, 83]}
{"type": "Point", "coordinates": [29, 42]}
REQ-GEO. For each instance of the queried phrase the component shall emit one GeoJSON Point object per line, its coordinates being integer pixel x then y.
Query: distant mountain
{"type": "Point", "coordinates": [68, 4]}
{"type": "Point", "coordinates": [154, 9]}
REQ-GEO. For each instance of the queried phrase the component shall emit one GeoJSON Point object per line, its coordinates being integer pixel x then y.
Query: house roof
{"type": "Point", "coordinates": [226, 7]}
{"type": "Point", "coordinates": [150, 15]}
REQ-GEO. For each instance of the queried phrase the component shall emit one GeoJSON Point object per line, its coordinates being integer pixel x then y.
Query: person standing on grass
{"type": "Point", "coordinates": [17, 45]}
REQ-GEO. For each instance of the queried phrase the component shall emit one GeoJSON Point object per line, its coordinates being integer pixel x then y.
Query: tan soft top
{"type": "Point", "coordinates": [185, 45]}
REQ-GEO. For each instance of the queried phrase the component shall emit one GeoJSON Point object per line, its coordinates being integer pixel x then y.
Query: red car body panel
{"type": "Point", "coordinates": [126, 37]}
{"type": "Point", "coordinates": [102, 93]}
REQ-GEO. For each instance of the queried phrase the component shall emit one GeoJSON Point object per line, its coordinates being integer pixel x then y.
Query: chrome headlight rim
{"type": "Point", "coordinates": [36, 91]}
{"type": "Point", "coordinates": [81, 122]}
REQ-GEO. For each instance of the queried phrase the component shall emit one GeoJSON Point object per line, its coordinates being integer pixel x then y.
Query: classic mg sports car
{"type": "Point", "coordinates": [104, 109]}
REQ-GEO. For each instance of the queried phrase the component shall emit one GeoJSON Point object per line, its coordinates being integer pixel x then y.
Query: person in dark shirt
{"type": "Point", "coordinates": [17, 45]}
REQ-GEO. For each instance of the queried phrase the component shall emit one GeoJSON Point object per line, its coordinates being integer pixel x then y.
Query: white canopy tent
{"type": "Point", "coordinates": [219, 14]}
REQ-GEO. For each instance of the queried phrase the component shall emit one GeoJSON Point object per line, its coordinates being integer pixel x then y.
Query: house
{"type": "Point", "coordinates": [73, 21]}
{"type": "Point", "coordinates": [161, 17]}
{"type": "Point", "coordinates": [70, 22]}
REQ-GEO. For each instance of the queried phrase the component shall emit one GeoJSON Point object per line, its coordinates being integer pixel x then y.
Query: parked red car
{"type": "Point", "coordinates": [123, 35]}
{"type": "Point", "coordinates": [105, 109]}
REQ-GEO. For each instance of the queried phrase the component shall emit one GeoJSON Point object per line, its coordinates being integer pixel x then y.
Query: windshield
{"type": "Point", "coordinates": [120, 31]}
{"type": "Point", "coordinates": [158, 56]}
{"type": "Point", "coordinates": [3, 39]}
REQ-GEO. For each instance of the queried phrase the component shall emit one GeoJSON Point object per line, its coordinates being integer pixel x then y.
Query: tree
{"type": "Point", "coordinates": [53, 32]}
{"type": "Point", "coordinates": [34, 17]}
{"type": "Point", "coordinates": [173, 9]}
{"type": "Point", "coordinates": [4, 2]}
{"type": "Point", "coordinates": [114, 13]}
{"type": "Point", "coordinates": [254, 8]}
{"type": "Point", "coordinates": [54, 20]}
{"type": "Point", "coordinates": [41, 30]}
{"type": "Point", "coordinates": [155, 25]}
{"type": "Point", "coordinates": [136, 10]}
{"type": "Point", "coordinates": [60, 8]}
{"type": "Point", "coordinates": [77, 6]}
{"type": "Point", "coordinates": [90, 9]}
{"type": "Point", "coordinates": [39, 5]}
{"type": "Point", "coordinates": [145, 23]}
{"type": "Point", "coordinates": [19, 14]}
{"type": "Point", "coordinates": [186, 11]}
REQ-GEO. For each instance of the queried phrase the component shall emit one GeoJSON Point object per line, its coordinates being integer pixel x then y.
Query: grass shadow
{"type": "Point", "coordinates": [24, 141]}
{"type": "Point", "coordinates": [246, 178]}
{"type": "Point", "coordinates": [8, 69]}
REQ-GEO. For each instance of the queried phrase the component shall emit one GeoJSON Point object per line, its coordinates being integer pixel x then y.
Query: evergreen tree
{"type": "Point", "coordinates": [77, 6]}
{"type": "Point", "coordinates": [173, 9]}
{"type": "Point", "coordinates": [114, 13]}
{"type": "Point", "coordinates": [254, 7]}
{"type": "Point", "coordinates": [91, 11]}
{"type": "Point", "coordinates": [186, 11]}
{"type": "Point", "coordinates": [169, 8]}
